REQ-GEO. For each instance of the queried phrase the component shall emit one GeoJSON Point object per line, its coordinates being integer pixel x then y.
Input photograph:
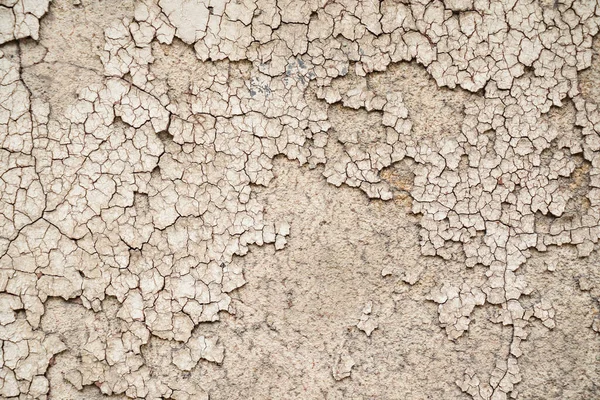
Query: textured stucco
{"type": "Point", "coordinates": [288, 199]}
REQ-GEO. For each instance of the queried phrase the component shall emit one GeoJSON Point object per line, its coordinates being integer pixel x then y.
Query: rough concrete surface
{"type": "Point", "coordinates": [290, 199]}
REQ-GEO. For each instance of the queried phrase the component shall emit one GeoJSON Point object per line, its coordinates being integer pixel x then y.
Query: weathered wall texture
{"type": "Point", "coordinates": [287, 199]}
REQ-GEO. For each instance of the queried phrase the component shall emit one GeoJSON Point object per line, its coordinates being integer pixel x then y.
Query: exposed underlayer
{"type": "Point", "coordinates": [265, 199]}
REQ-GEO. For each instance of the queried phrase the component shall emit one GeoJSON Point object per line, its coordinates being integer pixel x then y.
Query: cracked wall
{"type": "Point", "coordinates": [340, 199]}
